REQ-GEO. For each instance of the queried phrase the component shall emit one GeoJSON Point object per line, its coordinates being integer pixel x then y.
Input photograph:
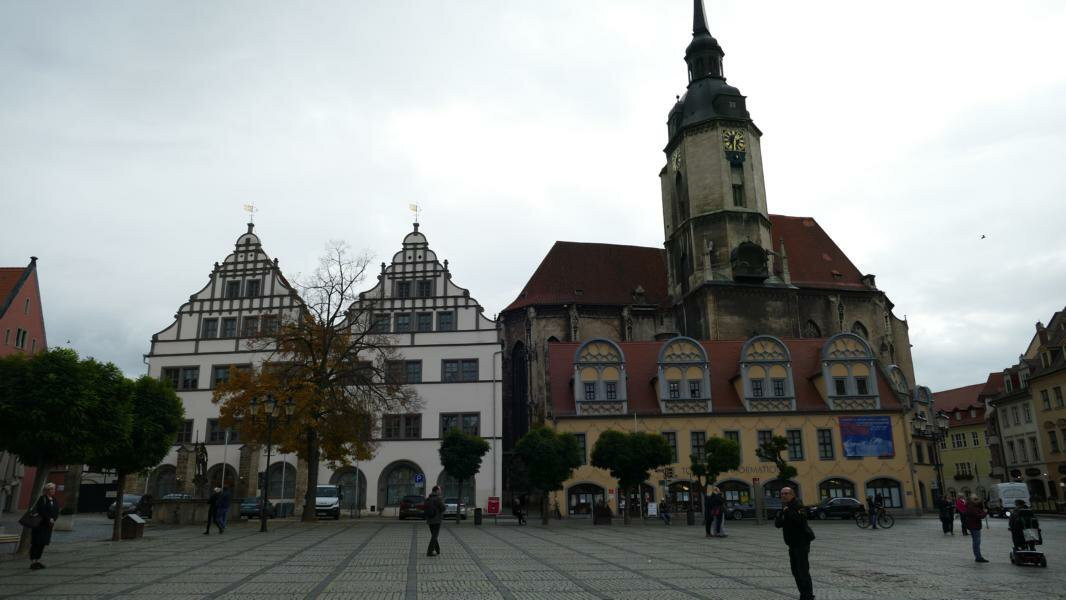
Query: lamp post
{"type": "Point", "coordinates": [940, 432]}
{"type": "Point", "coordinates": [270, 413]}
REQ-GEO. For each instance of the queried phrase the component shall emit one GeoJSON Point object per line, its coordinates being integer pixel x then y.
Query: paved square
{"type": "Point", "coordinates": [385, 559]}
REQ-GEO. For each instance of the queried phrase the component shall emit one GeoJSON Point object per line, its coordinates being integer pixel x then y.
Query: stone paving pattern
{"type": "Point", "coordinates": [376, 559]}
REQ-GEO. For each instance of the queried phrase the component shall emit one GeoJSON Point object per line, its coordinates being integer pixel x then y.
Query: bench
{"type": "Point", "coordinates": [9, 538]}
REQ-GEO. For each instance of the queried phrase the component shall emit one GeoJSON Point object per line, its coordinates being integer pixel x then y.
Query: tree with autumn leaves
{"type": "Point", "coordinates": [332, 362]}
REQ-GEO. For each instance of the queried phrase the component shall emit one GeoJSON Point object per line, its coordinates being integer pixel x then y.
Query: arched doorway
{"type": "Point", "coordinates": [772, 489]}
{"type": "Point", "coordinates": [450, 488]}
{"type": "Point", "coordinates": [164, 481]}
{"type": "Point", "coordinates": [581, 498]}
{"type": "Point", "coordinates": [399, 479]}
{"type": "Point", "coordinates": [215, 477]}
{"type": "Point", "coordinates": [352, 483]}
{"type": "Point", "coordinates": [889, 489]}
{"type": "Point", "coordinates": [282, 481]}
{"type": "Point", "coordinates": [735, 491]}
{"type": "Point", "coordinates": [836, 487]}
{"type": "Point", "coordinates": [683, 494]}
{"type": "Point", "coordinates": [921, 494]}
{"type": "Point", "coordinates": [635, 501]}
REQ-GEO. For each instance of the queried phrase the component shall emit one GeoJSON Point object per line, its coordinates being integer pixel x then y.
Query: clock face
{"type": "Point", "coordinates": [733, 140]}
{"type": "Point", "coordinates": [677, 160]}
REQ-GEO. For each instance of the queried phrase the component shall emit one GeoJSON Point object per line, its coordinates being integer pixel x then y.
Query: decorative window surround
{"type": "Point", "coordinates": [683, 372]}
{"type": "Point", "coordinates": [766, 369]}
{"type": "Point", "coordinates": [599, 362]}
{"type": "Point", "coordinates": [847, 356]}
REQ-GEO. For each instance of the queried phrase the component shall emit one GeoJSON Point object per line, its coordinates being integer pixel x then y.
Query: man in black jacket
{"type": "Point", "coordinates": [792, 521]}
{"type": "Point", "coordinates": [434, 517]}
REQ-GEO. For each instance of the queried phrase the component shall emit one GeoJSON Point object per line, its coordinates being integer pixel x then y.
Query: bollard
{"type": "Point", "coordinates": [477, 516]}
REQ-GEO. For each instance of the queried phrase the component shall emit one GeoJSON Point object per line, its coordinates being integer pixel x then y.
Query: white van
{"type": "Point", "coordinates": [1001, 497]}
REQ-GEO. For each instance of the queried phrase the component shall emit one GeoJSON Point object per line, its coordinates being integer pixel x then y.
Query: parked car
{"type": "Point", "coordinates": [129, 505]}
{"type": "Point", "coordinates": [328, 501]}
{"type": "Point", "coordinates": [835, 508]}
{"type": "Point", "coordinates": [412, 506]}
{"type": "Point", "coordinates": [251, 508]}
{"type": "Point", "coordinates": [454, 509]}
{"type": "Point", "coordinates": [737, 511]}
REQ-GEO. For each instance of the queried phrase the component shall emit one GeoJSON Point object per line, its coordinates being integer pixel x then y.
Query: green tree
{"type": "Point", "coordinates": [550, 458]}
{"type": "Point", "coordinates": [771, 450]}
{"type": "Point", "coordinates": [719, 456]}
{"type": "Point", "coordinates": [55, 409]}
{"type": "Point", "coordinates": [155, 414]}
{"type": "Point", "coordinates": [629, 457]}
{"type": "Point", "coordinates": [460, 455]}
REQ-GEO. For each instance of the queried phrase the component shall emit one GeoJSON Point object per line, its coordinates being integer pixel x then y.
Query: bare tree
{"type": "Point", "coordinates": [332, 362]}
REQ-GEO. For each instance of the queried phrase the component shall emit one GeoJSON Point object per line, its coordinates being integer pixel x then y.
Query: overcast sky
{"type": "Point", "coordinates": [131, 134]}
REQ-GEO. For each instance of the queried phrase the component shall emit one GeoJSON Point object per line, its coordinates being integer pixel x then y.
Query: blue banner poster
{"type": "Point", "coordinates": [867, 436]}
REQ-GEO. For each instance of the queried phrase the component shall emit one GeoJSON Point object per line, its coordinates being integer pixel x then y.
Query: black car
{"type": "Point", "coordinates": [835, 508]}
{"type": "Point", "coordinates": [250, 508]}
{"type": "Point", "coordinates": [412, 506]}
{"type": "Point", "coordinates": [737, 511]}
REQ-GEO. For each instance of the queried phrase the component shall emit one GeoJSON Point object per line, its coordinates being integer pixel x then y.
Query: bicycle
{"type": "Point", "coordinates": [884, 520]}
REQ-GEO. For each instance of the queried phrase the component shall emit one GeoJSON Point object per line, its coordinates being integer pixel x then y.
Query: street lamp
{"type": "Point", "coordinates": [940, 432]}
{"type": "Point", "coordinates": [270, 413]}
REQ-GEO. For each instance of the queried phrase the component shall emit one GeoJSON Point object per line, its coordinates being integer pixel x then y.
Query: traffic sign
{"type": "Point", "coordinates": [420, 479]}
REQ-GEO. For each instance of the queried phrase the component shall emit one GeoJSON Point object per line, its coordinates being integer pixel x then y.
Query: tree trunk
{"type": "Point", "coordinates": [120, 489]}
{"type": "Point", "coordinates": [312, 478]}
{"type": "Point", "coordinates": [629, 500]}
{"type": "Point", "coordinates": [544, 508]}
{"type": "Point", "coordinates": [39, 479]}
{"type": "Point", "coordinates": [458, 501]}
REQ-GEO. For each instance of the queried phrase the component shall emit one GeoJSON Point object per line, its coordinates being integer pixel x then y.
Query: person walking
{"type": "Point", "coordinates": [47, 510]}
{"type": "Point", "coordinates": [516, 510]}
{"type": "Point", "coordinates": [971, 520]}
{"type": "Point", "coordinates": [792, 521]}
{"type": "Point", "coordinates": [222, 510]}
{"type": "Point", "coordinates": [212, 510]}
{"type": "Point", "coordinates": [947, 515]}
{"type": "Point", "coordinates": [871, 506]}
{"type": "Point", "coordinates": [434, 517]}
{"type": "Point", "coordinates": [664, 511]}
{"type": "Point", "coordinates": [715, 513]}
{"type": "Point", "coordinates": [960, 508]}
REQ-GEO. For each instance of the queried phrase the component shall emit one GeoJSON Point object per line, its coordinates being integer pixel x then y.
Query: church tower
{"type": "Point", "coordinates": [717, 229]}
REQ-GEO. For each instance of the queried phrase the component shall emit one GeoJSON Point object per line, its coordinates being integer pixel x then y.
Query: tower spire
{"type": "Point", "coordinates": [699, 19]}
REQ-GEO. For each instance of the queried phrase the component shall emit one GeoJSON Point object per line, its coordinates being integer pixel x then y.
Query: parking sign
{"type": "Point", "coordinates": [420, 479]}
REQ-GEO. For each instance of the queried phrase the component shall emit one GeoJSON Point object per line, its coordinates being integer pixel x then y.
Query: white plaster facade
{"type": "Point", "coordinates": [1020, 438]}
{"type": "Point", "coordinates": [444, 322]}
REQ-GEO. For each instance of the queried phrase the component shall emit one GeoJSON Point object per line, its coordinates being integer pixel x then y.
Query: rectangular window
{"type": "Point", "coordinates": [401, 289]}
{"type": "Point", "coordinates": [733, 436]}
{"type": "Point", "coordinates": [412, 427]}
{"type": "Point", "coordinates": [698, 439]}
{"type": "Point", "coordinates": [963, 468]}
{"type": "Point", "coordinates": [449, 422]}
{"type": "Point", "coordinates": [1054, 439]}
{"type": "Point", "coordinates": [1028, 413]}
{"type": "Point", "coordinates": [219, 375]}
{"type": "Point", "coordinates": [185, 433]}
{"type": "Point", "coordinates": [825, 444]}
{"type": "Point", "coordinates": [210, 329]}
{"type": "Point", "coordinates": [738, 194]}
{"type": "Point", "coordinates": [611, 388]}
{"type": "Point", "coordinates": [1046, 399]}
{"type": "Point", "coordinates": [446, 321]}
{"type": "Point", "coordinates": [1036, 448]}
{"type": "Point", "coordinates": [582, 448]}
{"type": "Point", "coordinates": [1010, 449]}
{"type": "Point", "coordinates": [795, 444]}
{"type": "Point", "coordinates": [171, 375]}
{"type": "Point", "coordinates": [693, 389]}
{"type": "Point", "coordinates": [472, 424]}
{"type": "Point", "coordinates": [390, 427]}
{"type": "Point", "coordinates": [402, 323]}
{"type": "Point", "coordinates": [424, 321]}
{"type": "Point", "coordinates": [860, 386]}
{"type": "Point", "coordinates": [1023, 454]}
{"type": "Point", "coordinates": [381, 323]}
{"type": "Point", "coordinates": [671, 439]}
{"type": "Point", "coordinates": [229, 327]}
{"type": "Point", "coordinates": [590, 391]}
{"type": "Point", "coordinates": [762, 437]}
{"type": "Point", "coordinates": [233, 289]}
{"type": "Point", "coordinates": [425, 288]}
{"type": "Point", "coordinates": [1058, 397]}
{"type": "Point", "coordinates": [919, 451]}
{"type": "Point", "coordinates": [412, 371]}
{"type": "Point", "coordinates": [251, 288]}
{"type": "Point", "coordinates": [250, 327]}
{"type": "Point", "coordinates": [841, 386]}
{"type": "Point", "coordinates": [190, 378]}
{"type": "Point", "coordinates": [975, 439]}
{"type": "Point", "coordinates": [958, 440]}
{"type": "Point", "coordinates": [673, 389]}
{"type": "Point", "coordinates": [459, 370]}
{"type": "Point", "coordinates": [756, 388]}
{"type": "Point", "coordinates": [269, 325]}
{"type": "Point", "coordinates": [779, 388]}
{"type": "Point", "coordinates": [394, 372]}
{"type": "Point", "coordinates": [215, 433]}
{"type": "Point", "coordinates": [1015, 413]}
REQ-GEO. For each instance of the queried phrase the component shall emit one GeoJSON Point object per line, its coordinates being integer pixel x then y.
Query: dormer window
{"type": "Point", "coordinates": [610, 389]}
{"type": "Point", "coordinates": [848, 362]}
{"type": "Point", "coordinates": [861, 387]}
{"type": "Point", "coordinates": [590, 391]}
{"type": "Point", "coordinates": [599, 368]}
{"type": "Point", "coordinates": [958, 416]}
{"type": "Point", "coordinates": [683, 377]}
{"type": "Point", "coordinates": [766, 375]}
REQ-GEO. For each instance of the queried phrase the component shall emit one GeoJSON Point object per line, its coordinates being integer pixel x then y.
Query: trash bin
{"type": "Point", "coordinates": [132, 527]}
{"type": "Point", "coordinates": [477, 516]}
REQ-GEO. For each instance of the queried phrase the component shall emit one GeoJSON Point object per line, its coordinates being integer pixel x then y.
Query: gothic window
{"type": "Point", "coordinates": [599, 377]}
{"type": "Point", "coordinates": [899, 380]}
{"type": "Point", "coordinates": [811, 330]}
{"type": "Point", "coordinates": [737, 177]}
{"type": "Point", "coordinates": [860, 330]}
{"type": "Point", "coordinates": [766, 370]}
{"type": "Point", "coordinates": [840, 313]}
{"type": "Point", "coordinates": [683, 375]}
{"type": "Point", "coordinates": [848, 362]}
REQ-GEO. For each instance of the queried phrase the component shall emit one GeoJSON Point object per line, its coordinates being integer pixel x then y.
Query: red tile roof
{"type": "Point", "coordinates": [993, 385]}
{"type": "Point", "coordinates": [962, 400]}
{"type": "Point", "coordinates": [814, 259]}
{"type": "Point", "coordinates": [603, 274]}
{"type": "Point", "coordinates": [608, 274]}
{"type": "Point", "coordinates": [641, 365]}
{"type": "Point", "coordinates": [9, 280]}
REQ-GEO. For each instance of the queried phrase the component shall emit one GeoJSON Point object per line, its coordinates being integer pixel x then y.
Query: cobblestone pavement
{"type": "Point", "coordinates": [385, 559]}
